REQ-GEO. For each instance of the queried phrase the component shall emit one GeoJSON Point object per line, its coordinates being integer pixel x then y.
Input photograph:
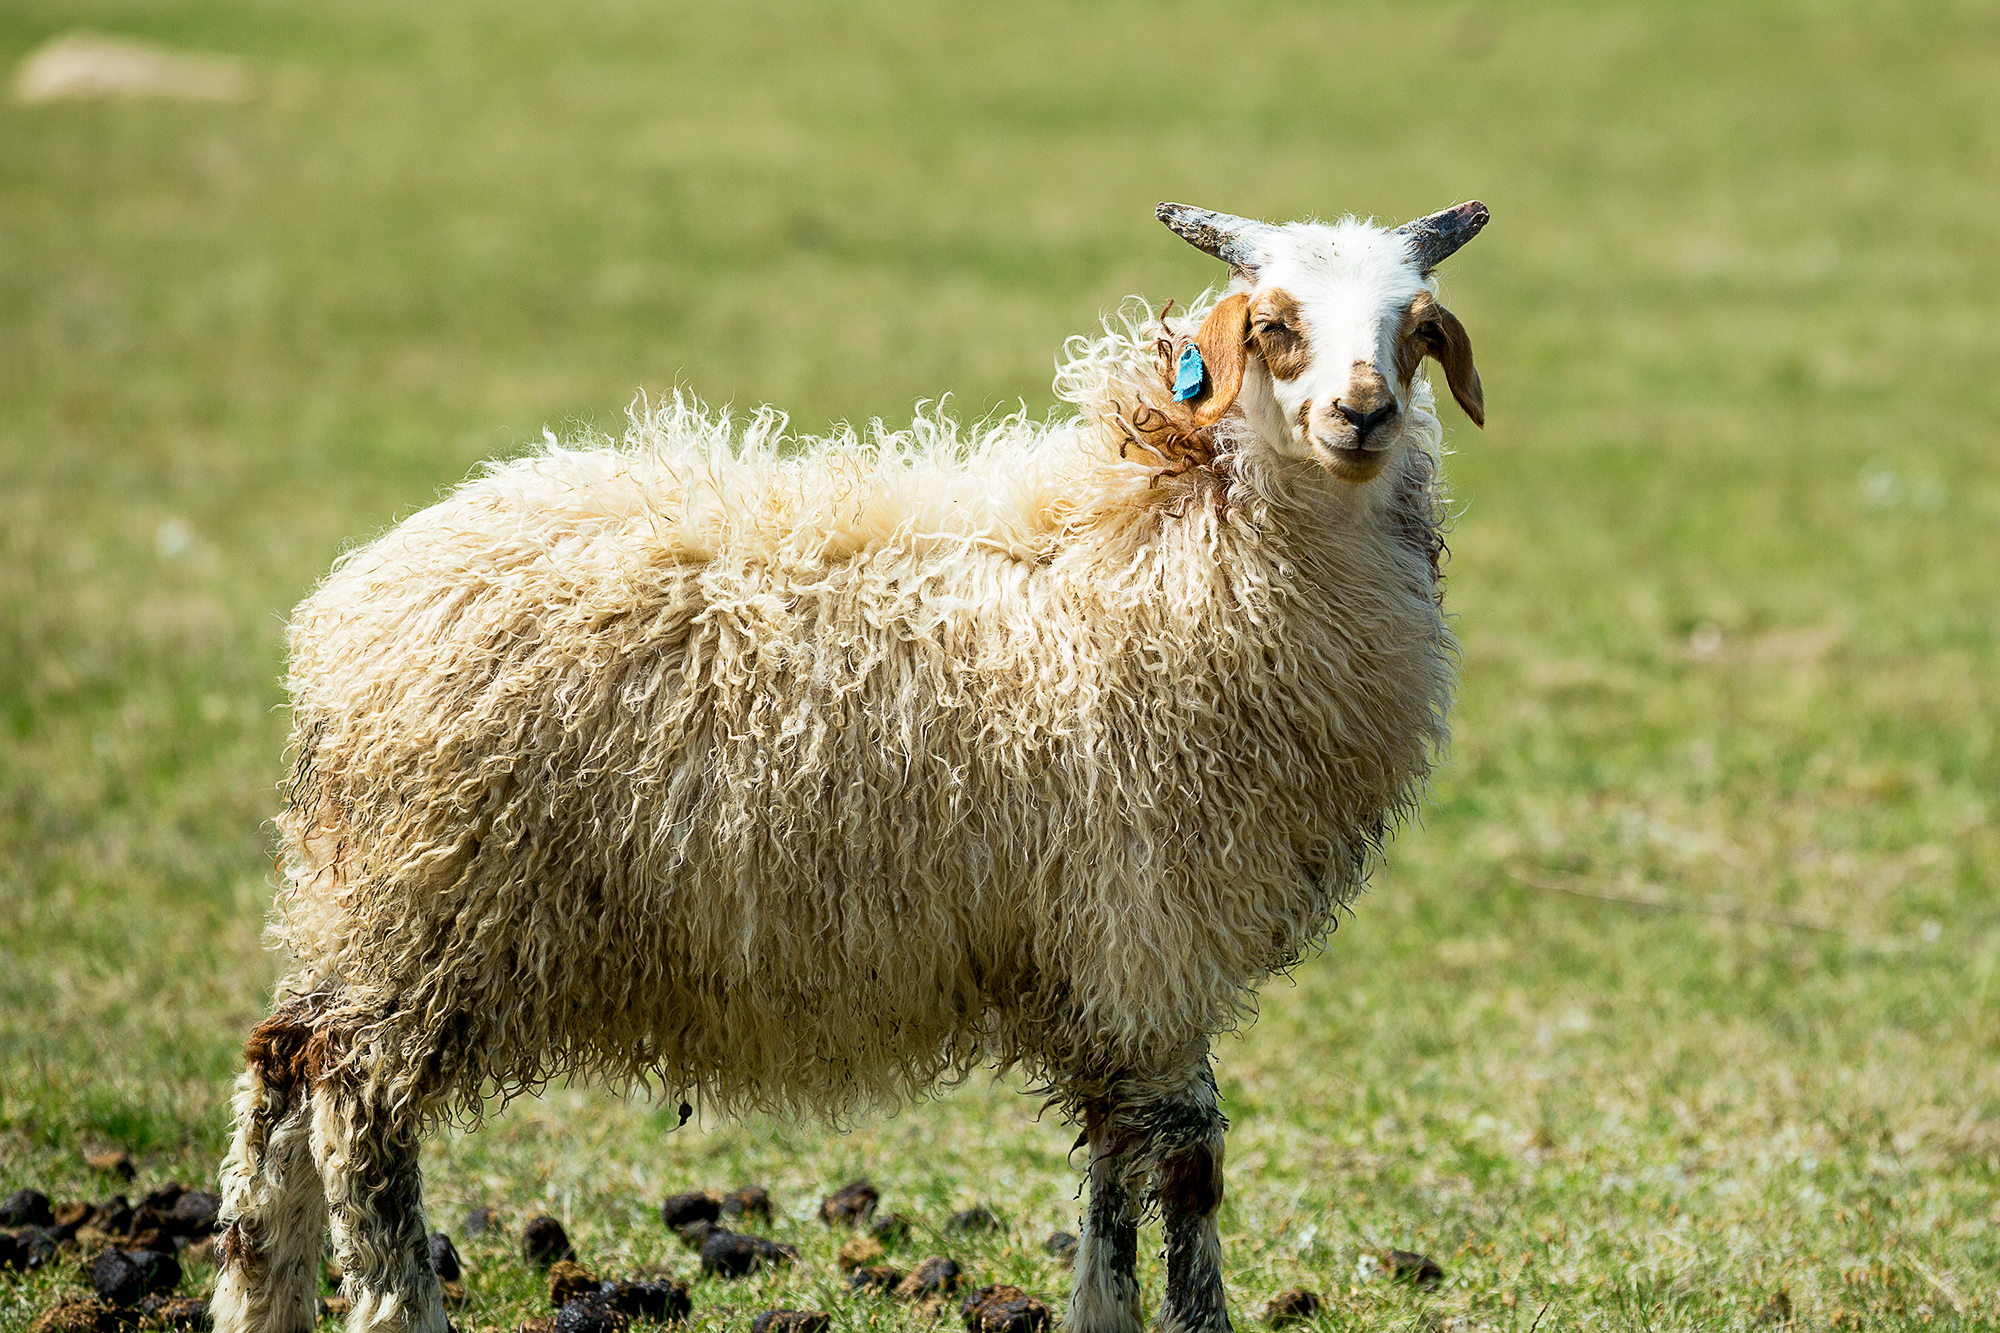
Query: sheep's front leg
{"type": "Point", "coordinates": [1105, 1298]}
{"type": "Point", "coordinates": [1186, 1149]}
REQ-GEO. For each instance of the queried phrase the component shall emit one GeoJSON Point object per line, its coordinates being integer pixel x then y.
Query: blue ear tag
{"type": "Point", "coordinates": [1188, 374]}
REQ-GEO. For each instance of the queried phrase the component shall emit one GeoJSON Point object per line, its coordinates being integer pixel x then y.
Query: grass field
{"type": "Point", "coordinates": [1677, 1010]}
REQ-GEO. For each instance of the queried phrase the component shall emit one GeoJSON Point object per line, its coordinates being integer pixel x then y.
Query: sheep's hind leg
{"type": "Point", "coordinates": [374, 1189]}
{"type": "Point", "coordinates": [273, 1216]}
{"type": "Point", "coordinates": [1185, 1147]}
{"type": "Point", "coordinates": [1105, 1297]}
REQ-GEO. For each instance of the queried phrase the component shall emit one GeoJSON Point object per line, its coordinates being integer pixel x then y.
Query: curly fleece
{"type": "Point", "coordinates": [803, 774]}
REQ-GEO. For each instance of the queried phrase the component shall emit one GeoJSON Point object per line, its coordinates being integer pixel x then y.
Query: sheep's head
{"type": "Point", "coordinates": [1323, 328]}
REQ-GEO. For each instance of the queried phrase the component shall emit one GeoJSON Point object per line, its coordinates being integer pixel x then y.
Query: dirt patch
{"type": "Point", "coordinates": [87, 67]}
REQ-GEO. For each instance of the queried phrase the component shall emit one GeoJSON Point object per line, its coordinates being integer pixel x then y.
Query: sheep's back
{"type": "Point", "coordinates": [816, 832]}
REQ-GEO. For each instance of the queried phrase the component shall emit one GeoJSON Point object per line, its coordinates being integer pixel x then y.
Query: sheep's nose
{"type": "Point", "coordinates": [1363, 422]}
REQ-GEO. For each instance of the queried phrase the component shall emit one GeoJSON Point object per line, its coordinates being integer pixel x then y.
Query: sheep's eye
{"type": "Point", "coordinates": [1273, 329]}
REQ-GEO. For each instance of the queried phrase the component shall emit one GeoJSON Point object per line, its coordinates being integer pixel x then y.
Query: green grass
{"type": "Point", "coordinates": [1682, 995]}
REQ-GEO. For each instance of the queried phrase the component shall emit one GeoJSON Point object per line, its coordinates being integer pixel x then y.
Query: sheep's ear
{"type": "Point", "coordinates": [1223, 342]}
{"type": "Point", "coordinates": [1446, 340]}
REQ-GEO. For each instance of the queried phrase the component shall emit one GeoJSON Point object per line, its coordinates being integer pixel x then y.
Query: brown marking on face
{"type": "Point", "coordinates": [1279, 333]}
{"type": "Point", "coordinates": [1190, 1183]}
{"type": "Point", "coordinates": [1428, 329]}
{"type": "Point", "coordinates": [1366, 389]}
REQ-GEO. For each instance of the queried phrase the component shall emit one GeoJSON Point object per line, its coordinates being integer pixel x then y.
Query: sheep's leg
{"type": "Point", "coordinates": [1105, 1297]}
{"type": "Point", "coordinates": [1185, 1146]}
{"type": "Point", "coordinates": [273, 1216]}
{"type": "Point", "coordinates": [368, 1162]}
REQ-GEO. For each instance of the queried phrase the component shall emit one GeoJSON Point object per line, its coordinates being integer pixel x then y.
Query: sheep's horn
{"type": "Point", "coordinates": [1231, 239]}
{"type": "Point", "coordinates": [1436, 238]}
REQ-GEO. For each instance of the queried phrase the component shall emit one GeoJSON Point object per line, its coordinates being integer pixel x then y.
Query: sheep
{"type": "Point", "coordinates": [807, 779]}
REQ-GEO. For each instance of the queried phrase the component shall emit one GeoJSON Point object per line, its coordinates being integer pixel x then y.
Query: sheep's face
{"type": "Point", "coordinates": [1336, 320]}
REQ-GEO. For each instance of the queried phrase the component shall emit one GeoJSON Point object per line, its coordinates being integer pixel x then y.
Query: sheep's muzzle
{"type": "Point", "coordinates": [1352, 435]}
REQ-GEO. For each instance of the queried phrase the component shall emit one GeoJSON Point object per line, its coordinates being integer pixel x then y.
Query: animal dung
{"type": "Point", "coordinates": [975, 1219]}
{"type": "Point", "coordinates": [935, 1276]}
{"type": "Point", "coordinates": [1408, 1266]}
{"type": "Point", "coordinates": [1004, 1309]}
{"type": "Point", "coordinates": [185, 1313]}
{"type": "Point", "coordinates": [664, 1301]}
{"type": "Point", "coordinates": [1292, 1306]}
{"type": "Point", "coordinates": [1061, 1245]}
{"type": "Point", "coordinates": [114, 1160]}
{"type": "Point", "coordinates": [859, 1253]}
{"type": "Point", "coordinates": [444, 1257]}
{"type": "Point", "coordinates": [748, 1201]}
{"type": "Point", "coordinates": [26, 1208]}
{"type": "Point", "coordinates": [590, 1316]}
{"type": "Point", "coordinates": [568, 1279]}
{"type": "Point", "coordinates": [791, 1321]}
{"type": "Point", "coordinates": [694, 1235]}
{"type": "Point", "coordinates": [163, 1199]}
{"type": "Point", "coordinates": [194, 1213]}
{"type": "Point", "coordinates": [39, 1246]}
{"type": "Point", "coordinates": [116, 1279]}
{"type": "Point", "coordinates": [679, 1210]}
{"type": "Point", "coordinates": [544, 1242]}
{"type": "Point", "coordinates": [732, 1254]}
{"type": "Point", "coordinates": [13, 1252]}
{"type": "Point", "coordinates": [478, 1222]}
{"type": "Point", "coordinates": [891, 1229]}
{"type": "Point", "coordinates": [160, 1270]}
{"type": "Point", "coordinates": [80, 1314]}
{"type": "Point", "coordinates": [113, 1216]}
{"type": "Point", "coordinates": [851, 1205]}
{"type": "Point", "coordinates": [876, 1277]}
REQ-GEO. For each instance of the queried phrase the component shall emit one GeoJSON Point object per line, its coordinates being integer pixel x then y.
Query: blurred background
{"type": "Point", "coordinates": [1676, 1008]}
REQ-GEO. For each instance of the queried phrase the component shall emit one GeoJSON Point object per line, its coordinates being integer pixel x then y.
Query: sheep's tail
{"type": "Point", "coordinates": [273, 1215]}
